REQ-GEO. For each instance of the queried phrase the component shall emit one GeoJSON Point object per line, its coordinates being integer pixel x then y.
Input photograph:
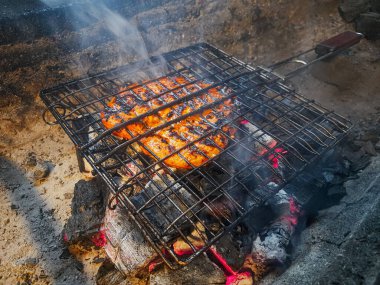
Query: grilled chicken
{"type": "Point", "coordinates": [183, 145]}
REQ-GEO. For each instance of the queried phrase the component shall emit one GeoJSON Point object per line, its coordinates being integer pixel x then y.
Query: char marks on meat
{"type": "Point", "coordinates": [189, 143]}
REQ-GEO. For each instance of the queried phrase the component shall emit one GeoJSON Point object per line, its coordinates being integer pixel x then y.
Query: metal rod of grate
{"type": "Point", "coordinates": [270, 135]}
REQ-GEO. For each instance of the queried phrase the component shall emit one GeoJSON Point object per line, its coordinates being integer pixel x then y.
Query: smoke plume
{"type": "Point", "coordinates": [124, 33]}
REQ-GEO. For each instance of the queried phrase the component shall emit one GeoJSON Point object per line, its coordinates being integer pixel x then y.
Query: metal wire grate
{"type": "Point", "coordinates": [277, 133]}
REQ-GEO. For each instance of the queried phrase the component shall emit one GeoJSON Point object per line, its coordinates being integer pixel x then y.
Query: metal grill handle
{"type": "Point", "coordinates": [323, 50]}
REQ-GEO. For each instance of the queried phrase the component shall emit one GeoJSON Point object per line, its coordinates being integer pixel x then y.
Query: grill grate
{"type": "Point", "coordinates": [277, 133]}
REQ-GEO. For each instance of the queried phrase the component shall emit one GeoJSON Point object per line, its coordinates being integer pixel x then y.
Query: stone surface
{"type": "Point", "coordinates": [351, 9]}
{"type": "Point", "coordinates": [342, 245]}
{"type": "Point", "coordinates": [375, 5]}
{"type": "Point", "coordinates": [200, 271]}
{"type": "Point", "coordinates": [24, 20]}
{"type": "Point", "coordinates": [369, 25]}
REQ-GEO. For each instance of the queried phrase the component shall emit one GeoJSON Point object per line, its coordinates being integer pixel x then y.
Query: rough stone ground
{"type": "Point", "coordinates": [33, 208]}
{"type": "Point", "coordinates": [343, 245]}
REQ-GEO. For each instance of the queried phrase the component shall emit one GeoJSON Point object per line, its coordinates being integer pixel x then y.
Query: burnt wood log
{"type": "Point", "coordinates": [87, 211]}
{"type": "Point", "coordinates": [126, 247]}
{"type": "Point", "coordinates": [369, 25]}
{"type": "Point", "coordinates": [270, 246]}
{"type": "Point", "coordinates": [163, 211]}
{"type": "Point", "coordinates": [108, 274]}
{"type": "Point", "coordinates": [93, 223]}
{"type": "Point", "coordinates": [349, 10]}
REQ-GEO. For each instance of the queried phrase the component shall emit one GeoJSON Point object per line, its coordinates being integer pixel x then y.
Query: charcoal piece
{"type": "Point", "coordinates": [369, 25]}
{"type": "Point", "coordinates": [87, 210]}
{"type": "Point", "coordinates": [331, 169]}
{"type": "Point", "coordinates": [167, 205]}
{"type": "Point", "coordinates": [349, 10]}
{"type": "Point", "coordinates": [270, 247]}
{"type": "Point", "coordinates": [360, 163]}
{"type": "Point", "coordinates": [200, 271]}
{"type": "Point", "coordinates": [336, 190]}
{"type": "Point", "coordinates": [108, 274]}
{"type": "Point", "coordinates": [126, 246]}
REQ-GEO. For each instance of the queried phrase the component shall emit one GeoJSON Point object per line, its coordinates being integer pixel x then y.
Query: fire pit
{"type": "Point", "coordinates": [49, 45]}
{"type": "Point", "coordinates": [267, 135]}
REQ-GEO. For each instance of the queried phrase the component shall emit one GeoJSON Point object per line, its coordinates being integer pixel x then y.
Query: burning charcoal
{"type": "Point", "coordinates": [196, 238]}
{"type": "Point", "coordinates": [232, 277]}
{"type": "Point", "coordinates": [269, 248]}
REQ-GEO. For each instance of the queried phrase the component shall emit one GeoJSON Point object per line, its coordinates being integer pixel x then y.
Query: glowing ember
{"type": "Point", "coordinates": [196, 238]}
{"type": "Point", "coordinates": [291, 219]}
{"type": "Point", "coordinates": [293, 206]}
{"type": "Point", "coordinates": [218, 259]}
{"type": "Point", "coordinates": [243, 278]}
{"type": "Point", "coordinates": [295, 212]}
{"type": "Point", "coordinates": [274, 158]}
{"type": "Point", "coordinates": [263, 142]}
{"type": "Point", "coordinates": [99, 239]}
{"type": "Point", "coordinates": [232, 277]}
{"type": "Point", "coordinates": [154, 264]}
{"type": "Point", "coordinates": [181, 248]}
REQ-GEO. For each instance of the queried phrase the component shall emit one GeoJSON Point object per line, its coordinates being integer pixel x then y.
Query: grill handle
{"type": "Point", "coordinates": [322, 50]}
{"type": "Point", "coordinates": [339, 42]}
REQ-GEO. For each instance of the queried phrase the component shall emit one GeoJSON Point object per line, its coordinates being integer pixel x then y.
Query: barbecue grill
{"type": "Point", "coordinates": [277, 133]}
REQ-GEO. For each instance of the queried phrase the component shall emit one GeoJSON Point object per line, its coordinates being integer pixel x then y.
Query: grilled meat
{"type": "Point", "coordinates": [185, 144]}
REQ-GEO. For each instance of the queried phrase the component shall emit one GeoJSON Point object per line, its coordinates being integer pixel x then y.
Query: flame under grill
{"type": "Point", "coordinates": [277, 133]}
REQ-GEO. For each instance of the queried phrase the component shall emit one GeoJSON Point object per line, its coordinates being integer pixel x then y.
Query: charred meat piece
{"type": "Point", "coordinates": [188, 143]}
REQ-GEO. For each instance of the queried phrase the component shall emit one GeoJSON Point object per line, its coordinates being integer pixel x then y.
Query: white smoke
{"type": "Point", "coordinates": [126, 35]}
